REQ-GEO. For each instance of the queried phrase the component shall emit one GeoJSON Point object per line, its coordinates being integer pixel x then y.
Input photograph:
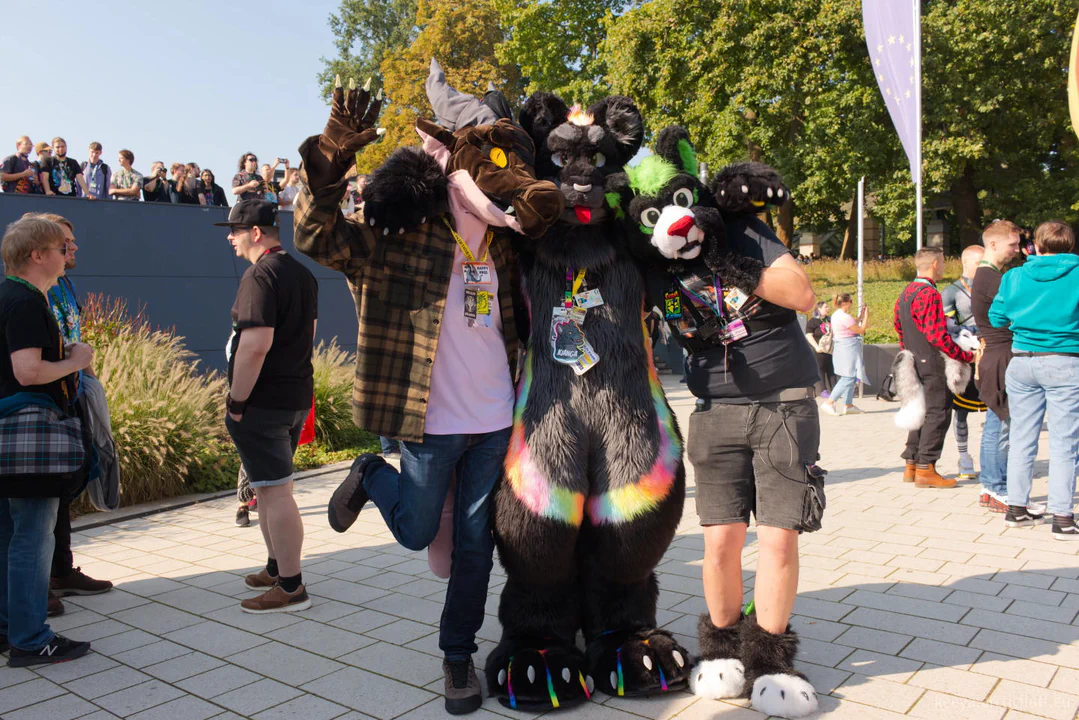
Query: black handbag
{"type": "Point", "coordinates": [887, 389]}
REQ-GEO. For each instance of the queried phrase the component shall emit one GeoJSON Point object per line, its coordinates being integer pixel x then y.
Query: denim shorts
{"type": "Point", "coordinates": [754, 459]}
{"type": "Point", "coordinates": [266, 440]}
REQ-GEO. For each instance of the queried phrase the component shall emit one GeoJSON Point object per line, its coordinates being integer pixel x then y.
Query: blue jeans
{"type": "Point", "coordinates": [389, 446]}
{"type": "Point", "coordinates": [411, 503]}
{"type": "Point", "coordinates": [844, 390]}
{"type": "Point", "coordinates": [26, 545]}
{"type": "Point", "coordinates": [994, 454]}
{"type": "Point", "coordinates": [1038, 386]}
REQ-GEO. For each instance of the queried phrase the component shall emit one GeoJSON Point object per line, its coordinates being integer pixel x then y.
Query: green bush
{"type": "Point", "coordinates": [334, 372]}
{"type": "Point", "coordinates": [167, 415]}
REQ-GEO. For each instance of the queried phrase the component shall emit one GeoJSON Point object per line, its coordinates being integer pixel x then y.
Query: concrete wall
{"type": "Point", "coordinates": [174, 262]}
{"type": "Point", "coordinates": [878, 363]}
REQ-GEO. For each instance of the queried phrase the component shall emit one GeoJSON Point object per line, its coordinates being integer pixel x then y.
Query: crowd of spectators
{"type": "Point", "coordinates": [53, 172]}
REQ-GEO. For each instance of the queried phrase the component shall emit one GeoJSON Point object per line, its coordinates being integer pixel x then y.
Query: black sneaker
{"type": "Point", "coordinates": [462, 687]}
{"type": "Point", "coordinates": [4, 646]}
{"type": "Point", "coordinates": [1021, 517]}
{"type": "Point", "coordinates": [1065, 528]}
{"type": "Point", "coordinates": [350, 497]}
{"type": "Point", "coordinates": [57, 650]}
{"type": "Point", "coordinates": [243, 519]}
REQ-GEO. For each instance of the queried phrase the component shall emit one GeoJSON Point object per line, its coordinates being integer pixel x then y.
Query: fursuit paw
{"type": "Point", "coordinates": [630, 664]}
{"type": "Point", "coordinates": [748, 188]}
{"type": "Point", "coordinates": [718, 679]}
{"type": "Point", "coordinates": [785, 695]}
{"type": "Point", "coordinates": [537, 680]}
{"type": "Point", "coordinates": [406, 191]}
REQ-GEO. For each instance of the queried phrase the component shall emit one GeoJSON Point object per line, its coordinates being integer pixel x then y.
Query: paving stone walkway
{"type": "Point", "coordinates": [912, 602]}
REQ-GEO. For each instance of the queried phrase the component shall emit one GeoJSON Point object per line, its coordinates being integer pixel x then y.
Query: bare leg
{"type": "Point", "coordinates": [281, 522]}
{"type": "Point", "coordinates": [722, 572]}
{"type": "Point", "coordinates": [777, 577]}
{"type": "Point", "coordinates": [264, 527]}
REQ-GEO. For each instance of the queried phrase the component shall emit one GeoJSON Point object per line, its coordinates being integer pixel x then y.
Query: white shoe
{"type": "Point", "coordinates": [1036, 508]}
{"type": "Point", "coordinates": [852, 410]}
{"type": "Point", "coordinates": [966, 467]}
{"type": "Point", "coordinates": [840, 409]}
{"type": "Point", "coordinates": [828, 409]}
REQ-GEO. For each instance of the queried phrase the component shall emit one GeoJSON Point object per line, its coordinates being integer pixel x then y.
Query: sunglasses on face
{"type": "Point", "coordinates": [62, 248]}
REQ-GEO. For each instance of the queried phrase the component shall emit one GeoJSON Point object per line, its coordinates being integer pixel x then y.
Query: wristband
{"type": "Point", "coordinates": [236, 407]}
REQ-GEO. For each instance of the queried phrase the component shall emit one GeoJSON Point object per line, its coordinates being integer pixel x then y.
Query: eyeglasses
{"type": "Point", "coordinates": [251, 159]}
{"type": "Point", "coordinates": [62, 248]}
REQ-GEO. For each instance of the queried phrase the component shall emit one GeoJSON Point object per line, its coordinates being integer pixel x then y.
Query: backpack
{"type": "Point", "coordinates": [887, 389]}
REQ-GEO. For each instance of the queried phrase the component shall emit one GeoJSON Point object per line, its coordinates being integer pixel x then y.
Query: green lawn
{"type": "Point", "coordinates": [880, 296]}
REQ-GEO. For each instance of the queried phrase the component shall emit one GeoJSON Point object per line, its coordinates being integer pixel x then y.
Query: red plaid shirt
{"type": "Point", "coordinates": [927, 310]}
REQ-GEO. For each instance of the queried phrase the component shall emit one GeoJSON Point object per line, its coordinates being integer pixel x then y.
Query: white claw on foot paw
{"type": "Point", "coordinates": [787, 696]}
{"type": "Point", "coordinates": [374, 222]}
{"type": "Point", "coordinates": [423, 221]}
{"type": "Point", "coordinates": [770, 193]}
{"type": "Point", "coordinates": [501, 677]}
{"type": "Point", "coordinates": [589, 683]}
{"type": "Point", "coordinates": [718, 679]}
{"type": "Point", "coordinates": [722, 193]}
{"type": "Point", "coordinates": [745, 189]}
{"type": "Point", "coordinates": [531, 674]}
{"type": "Point", "coordinates": [401, 231]}
{"type": "Point", "coordinates": [678, 659]}
{"type": "Point", "coordinates": [385, 231]}
{"type": "Point", "coordinates": [780, 192]}
{"type": "Point", "coordinates": [565, 674]}
{"type": "Point", "coordinates": [614, 680]}
{"type": "Point", "coordinates": [380, 132]}
{"type": "Point", "coordinates": [647, 662]}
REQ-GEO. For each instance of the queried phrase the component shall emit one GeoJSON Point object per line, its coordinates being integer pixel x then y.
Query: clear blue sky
{"type": "Point", "coordinates": [198, 80]}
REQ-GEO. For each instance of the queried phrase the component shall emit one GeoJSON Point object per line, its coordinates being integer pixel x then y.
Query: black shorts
{"type": "Point", "coordinates": [753, 459]}
{"type": "Point", "coordinates": [266, 440]}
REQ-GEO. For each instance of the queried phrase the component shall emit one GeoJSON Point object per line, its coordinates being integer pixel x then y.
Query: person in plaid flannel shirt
{"type": "Point", "coordinates": [437, 347]}
{"type": "Point", "coordinates": [923, 330]}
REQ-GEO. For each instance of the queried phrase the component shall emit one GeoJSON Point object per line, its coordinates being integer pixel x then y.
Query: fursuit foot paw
{"type": "Point", "coordinates": [786, 695]}
{"type": "Point", "coordinates": [719, 679]}
{"type": "Point", "coordinates": [538, 679]}
{"type": "Point", "coordinates": [636, 663]}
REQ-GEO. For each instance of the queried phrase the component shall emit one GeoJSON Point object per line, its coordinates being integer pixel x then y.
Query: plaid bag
{"type": "Point", "coordinates": [42, 452]}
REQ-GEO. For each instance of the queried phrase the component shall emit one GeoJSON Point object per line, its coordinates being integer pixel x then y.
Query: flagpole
{"type": "Point", "coordinates": [861, 241]}
{"type": "Point", "coordinates": [918, 112]}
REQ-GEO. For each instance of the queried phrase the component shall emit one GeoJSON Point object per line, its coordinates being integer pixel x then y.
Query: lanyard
{"type": "Point", "coordinates": [573, 285]}
{"type": "Point", "coordinates": [465, 250]}
{"type": "Point", "coordinates": [28, 284]}
{"type": "Point", "coordinates": [986, 263]}
{"type": "Point", "coordinates": [717, 307]}
{"type": "Point", "coordinates": [925, 281]}
{"type": "Point", "coordinates": [274, 249]}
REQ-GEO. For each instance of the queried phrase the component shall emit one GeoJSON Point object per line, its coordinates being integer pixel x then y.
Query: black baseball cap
{"type": "Point", "coordinates": [251, 213]}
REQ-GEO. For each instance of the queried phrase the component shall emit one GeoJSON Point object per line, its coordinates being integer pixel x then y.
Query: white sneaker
{"type": "Point", "coordinates": [1036, 508]}
{"type": "Point", "coordinates": [841, 409]}
{"type": "Point", "coordinates": [966, 467]}
{"type": "Point", "coordinates": [828, 409]}
{"type": "Point", "coordinates": [852, 410]}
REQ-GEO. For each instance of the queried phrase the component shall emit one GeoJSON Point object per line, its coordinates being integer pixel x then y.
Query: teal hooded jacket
{"type": "Point", "coordinates": [1040, 303]}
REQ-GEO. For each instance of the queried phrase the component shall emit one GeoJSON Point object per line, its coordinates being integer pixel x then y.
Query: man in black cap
{"type": "Point", "coordinates": [270, 389]}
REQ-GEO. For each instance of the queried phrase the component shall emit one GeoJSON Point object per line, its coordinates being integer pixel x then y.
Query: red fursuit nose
{"type": "Point", "coordinates": [681, 226]}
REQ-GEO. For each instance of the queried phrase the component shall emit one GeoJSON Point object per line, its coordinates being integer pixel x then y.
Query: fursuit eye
{"type": "Point", "coordinates": [598, 160]}
{"type": "Point", "coordinates": [650, 217]}
{"type": "Point", "coordinates": [558, 159]}
{"type": "Point", "coordinates": [498, 157]}
{"type": "Point", "coordinates": [683, 198]}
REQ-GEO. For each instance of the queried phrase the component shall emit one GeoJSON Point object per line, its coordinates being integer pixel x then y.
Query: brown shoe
{"type": "Point", "coordinates": [261, 580]}
{"type": "Point", "coordinates": [78, 583]}
{"type": "Point", "coordinates": [908, 472]}
{"type": "Point", "coordinates": [277, 600]}
{"type": "Point", "coordinates": [56, 606]}
{"type": "Point", "coordinates": [926, 476]}
{"type": "Point", "coordinates": [462, 687]}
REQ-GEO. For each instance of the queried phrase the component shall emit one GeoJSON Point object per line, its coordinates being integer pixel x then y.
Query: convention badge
{"type": "Point", "coordinates": [589, 357]}
{"type": "Point", "coordinates": [567, 340]}
{"type": "Point", "coordinates": [588, 299]}
{"type": "Point", "coordinates": [672, 305]}
{"type": "Point", "coordinates": [734, 299]}
{"type": "Point", "coordinates": [735, 331]}
{"type": "Point", "coordinates": [575, 314]}
{"type": "Point", "coordinates": [471, 302]}
{"type": "Point", "coordinates": [476, 273]}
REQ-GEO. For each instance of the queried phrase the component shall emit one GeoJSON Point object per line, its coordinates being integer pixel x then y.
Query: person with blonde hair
{"type": "Point", "coordinates": [36, 370]}
{"type": "Point", "coordinates": [1039, 302]}
{"type": "Point", "coordinates": [847, 361]}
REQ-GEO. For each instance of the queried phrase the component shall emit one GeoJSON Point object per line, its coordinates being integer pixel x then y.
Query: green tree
{"type": "Point", "coordinates": [462, 35]}
{"type": "Point", "coordinates": [556, 43]}
{"type": "Point", "coordinates": [365, 31]}
{"type": "Point", "coordinates": [786, 82]}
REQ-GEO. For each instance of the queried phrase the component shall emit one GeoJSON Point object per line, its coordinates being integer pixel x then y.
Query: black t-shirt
{"type": "Point", "coordinates": [14, 164]}
{"type": "Point", "coordinates": [215, 196]}
{"type": "Point", "coordinates": [182, 194]}
{"type": "Point", "coordinates": [26, 322]}
{"type": "Point", "coordinates": [772, 358]}
{"type": "Point", "coordinates": [983, 289]}
{"type": "Point", "coordinates": [61, 175]}
{"type": "Point", "coordinates": [815, 327]}
{"type": "Point", "coordinates": [279, 292]}
{"type": "Point", "coordinates": [160, 193]}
